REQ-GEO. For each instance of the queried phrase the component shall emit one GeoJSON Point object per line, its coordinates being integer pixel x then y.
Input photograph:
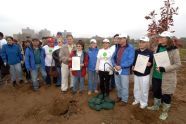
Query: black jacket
{"type": "Point", "coordinates": [55, 56]}
{"type": "Point", "coordinates": [146, 53]}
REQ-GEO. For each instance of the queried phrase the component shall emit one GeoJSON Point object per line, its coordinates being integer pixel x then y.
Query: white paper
{"type": "Point", "coordinates": [119, 71]}
{"type": "Point", "coordinates": [162, 59]}
{"type": "Point", "coordinates": [75, 63]}
{"type": "Point", "coordinates": [141, 63]}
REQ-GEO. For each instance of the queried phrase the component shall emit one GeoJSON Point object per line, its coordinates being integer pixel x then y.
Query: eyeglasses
{"type": "Point", "coordinates": [78, 46]}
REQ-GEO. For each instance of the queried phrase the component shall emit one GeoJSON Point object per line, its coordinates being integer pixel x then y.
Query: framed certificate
{"type": "Point", "coordinates": [75, 63]}
{"type": "Point", "coordinates": [162, 59]}
{"type": "Point", "coordinates": [141, 63]}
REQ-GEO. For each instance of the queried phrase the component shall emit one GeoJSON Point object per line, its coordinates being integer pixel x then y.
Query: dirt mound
{"type": "Point", "coordinates": [64, 107]}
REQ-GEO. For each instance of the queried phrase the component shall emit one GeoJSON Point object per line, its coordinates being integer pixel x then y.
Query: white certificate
{"type": "Point", "coordinates": [162, 59]}
{"type": "Point", "coordinates": [75, 63]}
{"type": "Point", "coordinates": [141, 63]}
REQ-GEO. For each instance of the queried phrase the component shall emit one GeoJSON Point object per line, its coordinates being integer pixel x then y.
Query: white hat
{"type": "Point", "coordinates": [144, 38]}
{"type": "Point", "coordinates": [166, 34]}
{"type": "Point", "coordinates": [123, 36]}
{"type": "Point", "coordinates": [106, 40]}
{"type": "Point", "coordinates": [93, 41]}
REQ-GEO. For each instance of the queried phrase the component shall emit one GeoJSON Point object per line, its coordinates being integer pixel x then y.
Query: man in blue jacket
{"type": "Point", "coordinates": [122, 61]}
{"type": "Point", "coordinates": [35, 61]}
{"type": "Point", "coordinates": [11, 55]}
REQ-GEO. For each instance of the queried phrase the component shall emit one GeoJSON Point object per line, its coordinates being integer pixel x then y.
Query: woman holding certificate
{"type": "Point", "coordinates": [167, 61]}
{"type": "Point", "coordinates": [78, 65]}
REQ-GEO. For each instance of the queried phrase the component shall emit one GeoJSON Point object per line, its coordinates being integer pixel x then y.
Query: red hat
{"type": "Point", "coordinates": [50, 40]}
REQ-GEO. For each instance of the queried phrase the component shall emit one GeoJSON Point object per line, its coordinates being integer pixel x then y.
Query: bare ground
{"type": "Point", "coordinates": [21, 105]}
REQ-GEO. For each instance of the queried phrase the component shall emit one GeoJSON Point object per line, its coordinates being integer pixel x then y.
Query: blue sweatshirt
{"type": "Point", "coordinates": [11, 54]}
{"type": "Point", "coordinates": [127, 59]}
{"type": "Point", "coordinates": [92, 58]}
{"type": "Point", "coordinates": [30, 59]}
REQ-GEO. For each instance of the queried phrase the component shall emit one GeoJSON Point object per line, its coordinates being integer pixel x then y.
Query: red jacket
{"type": "Point", "coordinates": [83, 69]}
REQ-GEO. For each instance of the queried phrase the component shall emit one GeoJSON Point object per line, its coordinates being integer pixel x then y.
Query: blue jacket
{"type": "Point", "coordinates": [11, 54]}
{"type": "Point", "coordinates": [127, 59]}
{"type": "Point", "coordinates": [30, 60]}
{"type": "Point", "coordinates": [92, 58]}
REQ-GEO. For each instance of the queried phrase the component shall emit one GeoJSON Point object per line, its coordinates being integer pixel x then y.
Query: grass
{"type": "Point", "coordinates": [183, 54]}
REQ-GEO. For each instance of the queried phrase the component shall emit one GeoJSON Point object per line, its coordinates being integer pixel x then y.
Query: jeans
{"type": "Point", "coordinates": [92, 80]}
{"type": "Point", "coordinates": [77, 80]}
{"type": "Point", "coordinates": [34, 75]}
{"type": "Point", "coordinates": [16, 69]}
{"type": "Point", "coordinates": [122, 85]}
{"type": "Point", "coordinates": [112, 81]}
{"type": "Point", "coordinates": [58, 83]}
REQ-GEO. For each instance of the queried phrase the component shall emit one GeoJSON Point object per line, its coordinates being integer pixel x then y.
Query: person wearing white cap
{"type": "Point", "coordinates": [122, 61]}
{"type": "Point", "coordinates": [164, 78]}
{"type": "Point", "coordinates": [92, 75]}
{"type": "Point", "coordinates": [141, 80]}
{"type": "Point", "coordinates": [103, 67]}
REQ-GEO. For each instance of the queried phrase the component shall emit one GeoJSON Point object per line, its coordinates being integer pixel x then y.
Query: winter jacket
{"type": "Point", "coordinates": [11, 54]}
{"type": "Point", "coordinates": [64, 54]}
{"type": "Point", "coordinates": [85, 62]}
{"type": "Point", "coordinates": [169, 79]}
{"type": "Point", "coordinates": [127, 59]}
{"type": "Point", "coordinates": [30, 60]}
{"type": "Point", "coordinates": [55, 56]}
{"type": "Point", "coordinates": [92, 58]}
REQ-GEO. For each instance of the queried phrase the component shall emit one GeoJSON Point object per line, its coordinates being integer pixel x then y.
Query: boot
{"type": "Point", "coordinates": [155, 107]}
{"type": "Point", "coordinates": [164, 114]}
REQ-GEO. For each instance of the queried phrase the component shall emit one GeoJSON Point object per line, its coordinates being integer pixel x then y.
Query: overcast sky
{"type": "Point", "coordinates": [85, 18]}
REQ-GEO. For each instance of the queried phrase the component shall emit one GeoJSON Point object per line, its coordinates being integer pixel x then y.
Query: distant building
{"type": "Point", "coordinates": [65, 33]}
{"type": "Point", "coordinates": [44, 33]}
{"type": "Point", "coordinates": [28, 32]}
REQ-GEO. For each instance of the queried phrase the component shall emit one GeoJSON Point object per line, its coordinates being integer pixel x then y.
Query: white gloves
{"type": "Point", "coordinates": [5, 63]}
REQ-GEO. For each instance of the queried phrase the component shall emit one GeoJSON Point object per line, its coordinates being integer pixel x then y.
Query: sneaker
{"type": "Point", "coordinates": [63, 92]}
{"type": "Point", "coordinates": [143, 106]}
{"type": "Point", "coordinates": [118, 99]}
{"type": "Point", "coordinates": [96, 91]}
{"type": "Point", "coordinates": [74, 92]}
{"type": "Point", "coordinates": [135, 103]}
{"type": "Point", "coordinates": [14, 83]}
{"type": "Point", "coordinates": [35, 89]}
{"type": "Point", "coordinates": [89, 92]}
{"type": "Point", "coordinates": [21, 82]}
{"type": "Point", "coordinates": [122, 103]}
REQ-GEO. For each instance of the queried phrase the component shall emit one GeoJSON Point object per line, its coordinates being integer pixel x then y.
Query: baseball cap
{"type": "Point", "coordinates": [50, 40]}
{"type": "Point", "coordinates": [166, 34]}
{"type": "Point", "coordinates": [123, 35]}
{"type": "Point", "coordinates": [93, 41]}
{"type": "Point", "coordinates": [145, 39]}
{"type": "Point", "coordinates": [106, 41]}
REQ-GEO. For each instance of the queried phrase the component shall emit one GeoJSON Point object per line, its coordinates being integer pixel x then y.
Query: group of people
{"type": "Point", "coordinates": [106, 65]}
